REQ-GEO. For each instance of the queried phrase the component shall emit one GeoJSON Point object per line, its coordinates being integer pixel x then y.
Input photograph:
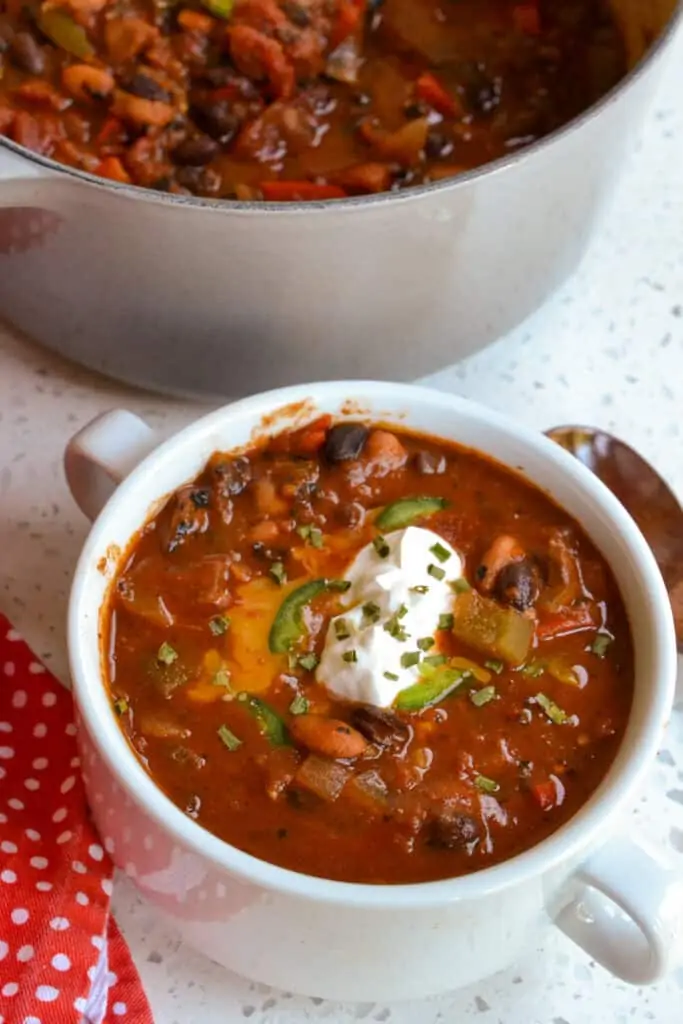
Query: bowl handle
{"type": "Point", "coordinates": [628, 912]}
{"type": "Point", "coordinates": [100, 455]}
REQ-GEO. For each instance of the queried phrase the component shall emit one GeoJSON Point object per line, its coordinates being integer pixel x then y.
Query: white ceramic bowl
{"type": "Point", "coordinates": [350, 941]}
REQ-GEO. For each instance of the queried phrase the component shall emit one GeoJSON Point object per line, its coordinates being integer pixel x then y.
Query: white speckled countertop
{"type": "Point", "coordinates": [608, 350]}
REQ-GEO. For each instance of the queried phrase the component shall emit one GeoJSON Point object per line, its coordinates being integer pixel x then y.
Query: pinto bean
{"type": "Point", "coordinates": [452, 831]}
{"type": "Point", "coordinates": [27, 54]}
{"type": "Point", "coordinates": [329, 737]}
{"type": "Point", "coordinates": [518, 584]}
{"type": "Point", "coordinates": [379, 726]}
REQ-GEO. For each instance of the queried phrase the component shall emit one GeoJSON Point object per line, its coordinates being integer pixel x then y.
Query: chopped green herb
{"type": "Point", "coordinates": [312, 534]}
{"type": "Point", "coordinates": [269, 722]}
{"type": "Point", "coordinates": [435, 660]}
{"type": "Point", "coordinates": [219, 8]}
{"type": "Point", "coordinates": [299, 705]}
{"type": "Point", "coordinates": [219, 624]}
{"type": "Point", "coordinates": [121, 706]}
{"type": "Point", "coordinates": [410, 658]}
{"type": "Point", "coordinates": [440, 552]}
{"type": "Point", "coordinates": [166, 655]}
{"type": "Point", "coordinates": [371, 611]}
{"type": "Point", "coordinates": [459, 586]}
{"type": "Point", "coordinates": [341, 629]}
{"type": "Point", "coordinates": [425, 643]}
{"type": "Point", "coordinates": [434, 687]}
{"type": "Point", "coordinates": [552, 710]}
{"type": "Point", "coordinates": [534, 669]}
{"type": "Point", "coordinates": [493, 665]}
{"type": "Point", "coordinates": [420, 589]}
{"type": "Point", "coordinates": [402, 611]}
{"type": "Point", "coordinates": [381, 547]}
{"type": "Point", "coordinates": [221, 678]}
{"type": "Point", "coordinates": [228, 738]}
{"type": "Point", "coordinates": [308, 661]}
{"type": "Point", "coordinates": [394, 628]}
{"type": "Point", "coordinates": [435, 571]}
{"type": "Point", "coordinates": [277, 571]}
{"type": "Point", "coordinates": [340, 585]}
{"type": "Point", "coordinates": [406, 510]}
{"type": "Point", "coordinates": [350, 656]}
{"type": "Point", "coordinates": [446, 621]}
{"type": "Point", "coordinates": [601, 643]}
{"type": "Point", "coordinates": [483, 696]}
{"type": "Point", "coordinates": [486, 785]}
{"type": "Point", "coordinates": [391, 675]}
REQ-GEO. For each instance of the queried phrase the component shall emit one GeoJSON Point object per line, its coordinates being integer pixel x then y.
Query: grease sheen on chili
{"type": "Point", "coordinates": [219, 612]}
{"type": "Point", "coordinates": [296, 99]}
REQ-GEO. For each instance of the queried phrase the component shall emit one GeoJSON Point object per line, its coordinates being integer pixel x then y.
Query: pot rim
{"type": "Point", "coordinates": [412, 194]}
{"type": "Point", "coordinates": [566, 845]}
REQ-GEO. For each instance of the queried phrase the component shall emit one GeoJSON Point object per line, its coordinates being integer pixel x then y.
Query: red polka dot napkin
{"type": "Point", "coordinates": [62, 958]}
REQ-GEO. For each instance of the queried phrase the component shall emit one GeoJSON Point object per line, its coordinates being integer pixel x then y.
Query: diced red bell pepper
{"type": "Point", "coordinates": [430, 90]}
{"type": "Point", "coordinates": [527, 18]}
{"type": "Point", "coordinates": [306, 191]}
{"type": "Point", "coordinates": [568, 620]}
{"type": "Point", "coordinates": [545, 794]}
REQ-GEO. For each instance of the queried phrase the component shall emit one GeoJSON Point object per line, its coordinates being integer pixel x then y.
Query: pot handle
{"type": "Point", "coordinates": [628, 913]}
{"type": "Point", "coordinates": [100, 455]}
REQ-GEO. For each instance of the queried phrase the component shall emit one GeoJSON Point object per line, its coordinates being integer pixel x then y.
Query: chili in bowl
{"type": "Point", "coordinates": [377, 676]}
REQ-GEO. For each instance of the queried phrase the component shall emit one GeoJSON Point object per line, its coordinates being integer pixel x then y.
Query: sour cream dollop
{"type": "Point", "coordinates": [400, 586]}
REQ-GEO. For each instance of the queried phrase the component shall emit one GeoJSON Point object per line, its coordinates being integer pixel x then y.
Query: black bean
{"type": "Point", "coordinates": [438, 146]}
{"type": "Point", "coordinates": [27, 54]}
{"type": "Point", "coordinates": [430, 464]}
{"type": "Point", "coordinates": [414, 109]}
{"type": "Point", "coordinates": [452, 831]}
{"type": "Point", "coordinates": [147, 88]}
{"type": "Point", "coordinates": [518, 584]}
{"type": "Point", "coordinates": [232, 477]}
{"type": "Point", "coordinates": [345, 441]}
{"type": "Point", "coordinates": [196, 152]}
{"type": "Point", "coordinates": [217, 119]}
{"type": "Point", "coordinates": [201, 181]}
{"type": "Point", "coordinates": [201, 497]}
{"type": "Point", "coordinates": [379, 726]}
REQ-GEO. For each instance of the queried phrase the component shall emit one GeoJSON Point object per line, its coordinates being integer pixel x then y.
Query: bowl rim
{"type": "Point", "coordinates": [266, 208]}
{"type": "Point", "coordinates": [565, 844]}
